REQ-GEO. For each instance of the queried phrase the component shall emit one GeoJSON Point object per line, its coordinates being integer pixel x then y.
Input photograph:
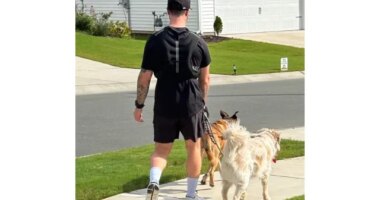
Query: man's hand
{"type": "Point", "coordinates": [138, 115]}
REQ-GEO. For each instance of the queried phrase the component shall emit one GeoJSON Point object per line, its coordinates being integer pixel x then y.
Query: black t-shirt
{"type": "Point", "coordinates": [175, 55]}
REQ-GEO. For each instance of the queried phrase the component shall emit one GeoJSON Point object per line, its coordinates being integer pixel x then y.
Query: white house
{"type": "Point", "coordinates": [238, 16]}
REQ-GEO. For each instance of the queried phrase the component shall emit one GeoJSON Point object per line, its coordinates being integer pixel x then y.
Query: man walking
{"type": "Point", "coordinates": [180, 60]}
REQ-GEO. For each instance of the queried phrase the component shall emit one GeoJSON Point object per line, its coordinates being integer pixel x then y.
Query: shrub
{"type": "Point", "coordinates": [101, 26]}
{"type": "Point", "coordinates": [218, 25]}
{"type": "Point", "coordinates": [83, 22]}
{"type": "Point", "coordinates": [119, 29]}
{"type": "Point", "coordinates": [105, 16]}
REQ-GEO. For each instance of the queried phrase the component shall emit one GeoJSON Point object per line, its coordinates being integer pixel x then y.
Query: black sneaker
{"type": "Point", "coordinates": [152, 191]}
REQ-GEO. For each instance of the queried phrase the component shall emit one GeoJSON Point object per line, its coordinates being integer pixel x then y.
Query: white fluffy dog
{"type": "Point", "coordinates": [246, 156]}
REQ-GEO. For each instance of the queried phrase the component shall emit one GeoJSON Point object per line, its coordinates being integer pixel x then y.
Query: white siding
{"type": "Point", "coordinates": [141, 12]}
{"type": "Point", "coordinates": [119, 13]}
{"type": "Point", "coordinates": [244, 16]}
{"type": "Point", "coordinates": [207, 16]}
{"type": "Point", "coordinates": [142, 18]}
{"type": "Point", "coordinates": [193, 23]}
{"type": "Point", "coordinates": [238, 16]}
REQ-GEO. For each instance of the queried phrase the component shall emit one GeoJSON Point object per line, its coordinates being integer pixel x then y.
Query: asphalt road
{"type": "Point", "coordinates": [104, 122]}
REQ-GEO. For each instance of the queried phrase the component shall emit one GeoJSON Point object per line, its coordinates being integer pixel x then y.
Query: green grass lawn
{"type": "Point", "coordinates": [249, 57]}
{"type": "Point", "coordinates": [122, 52]}
{"type": "Point", "coordinates": [103, 175]}
{"type": "Point", "coordinates": [253, 57]}
{"type": "Point", "coordinates": [302, 197]}
{"type": "Point", "coordinates": [291, 149]}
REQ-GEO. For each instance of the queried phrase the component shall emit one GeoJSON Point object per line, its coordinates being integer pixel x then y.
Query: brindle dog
{"type": "Point", "coordinates": [213, 151]}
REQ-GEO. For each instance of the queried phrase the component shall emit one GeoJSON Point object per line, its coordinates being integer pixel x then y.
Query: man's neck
{"type": "Point", "coordinates": [177, 23]}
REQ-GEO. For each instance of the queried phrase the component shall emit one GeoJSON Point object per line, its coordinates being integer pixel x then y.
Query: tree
{"type": "Point", "coordinates": [218, 25]}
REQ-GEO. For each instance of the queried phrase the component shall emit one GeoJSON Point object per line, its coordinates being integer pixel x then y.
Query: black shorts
{"type": "Point", "coordinates": [166, 130]}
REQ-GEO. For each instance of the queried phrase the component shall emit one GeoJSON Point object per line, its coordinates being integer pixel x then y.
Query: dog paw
{"type": "Point", "coordinates": [203, 182]}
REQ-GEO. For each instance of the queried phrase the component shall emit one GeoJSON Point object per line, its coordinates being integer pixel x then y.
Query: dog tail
{"type": "Point", "coordinates": [236, 135]}
{"type": "Point", "coordinates": [236, 149]}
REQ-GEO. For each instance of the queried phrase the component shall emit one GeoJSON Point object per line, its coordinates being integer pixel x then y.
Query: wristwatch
{"type": "Point", "coordinates": [139, 106]}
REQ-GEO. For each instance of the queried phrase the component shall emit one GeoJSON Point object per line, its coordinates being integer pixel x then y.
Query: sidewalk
{"type": "Point", "coordinates": [283, 184]}
{"type": "Point", "coordinates": [286, 181]}
{"type": "Point", "coordinates": [95, 77]}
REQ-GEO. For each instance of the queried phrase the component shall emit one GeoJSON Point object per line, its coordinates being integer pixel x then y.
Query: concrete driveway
{"type": "Point", "coordinates": [289, 38]}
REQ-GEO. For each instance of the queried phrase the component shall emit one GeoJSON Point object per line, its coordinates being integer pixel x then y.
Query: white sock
{"type": "Point", "coordinates": [155, 175]}
{"type": "Point", "coordinates": [192, 184]}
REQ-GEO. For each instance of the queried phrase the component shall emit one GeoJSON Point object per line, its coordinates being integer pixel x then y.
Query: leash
{"type": "Point", "coordinates": [207, 126]}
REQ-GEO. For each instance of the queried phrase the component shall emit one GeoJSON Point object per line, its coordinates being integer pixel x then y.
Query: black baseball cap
{"type": "Point", "coordinates": [178, 4]}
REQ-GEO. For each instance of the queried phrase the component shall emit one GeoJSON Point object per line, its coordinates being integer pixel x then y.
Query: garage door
{"type": "Point", "coordinates": [246, 16]}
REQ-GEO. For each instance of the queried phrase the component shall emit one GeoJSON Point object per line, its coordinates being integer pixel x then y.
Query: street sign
{"type": "Point", "coordinates": [284, 64]}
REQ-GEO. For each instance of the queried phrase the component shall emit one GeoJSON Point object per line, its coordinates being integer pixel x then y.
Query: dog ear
{"type": "Point", "coordinates": [234, 116]}
{"type": "Point", "coordinates": [276, 136]}
{"type": "Point", "coordinates": [224, 114]}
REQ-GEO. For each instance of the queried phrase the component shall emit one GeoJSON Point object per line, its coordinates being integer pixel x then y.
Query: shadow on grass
{"type": "Point", "coordinates": [140, 36]}
{"type": "Point", "coordinates": [135, 184]}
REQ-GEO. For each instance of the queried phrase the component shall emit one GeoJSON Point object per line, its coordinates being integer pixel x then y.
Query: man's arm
{"type": "Point", "coordinates": [143, 82]}
{"type": "Point", "coordinates": [204, 81]}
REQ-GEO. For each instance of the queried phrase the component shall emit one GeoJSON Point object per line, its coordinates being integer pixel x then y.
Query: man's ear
{"type": "Point", "coordinates": [224, 114]}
